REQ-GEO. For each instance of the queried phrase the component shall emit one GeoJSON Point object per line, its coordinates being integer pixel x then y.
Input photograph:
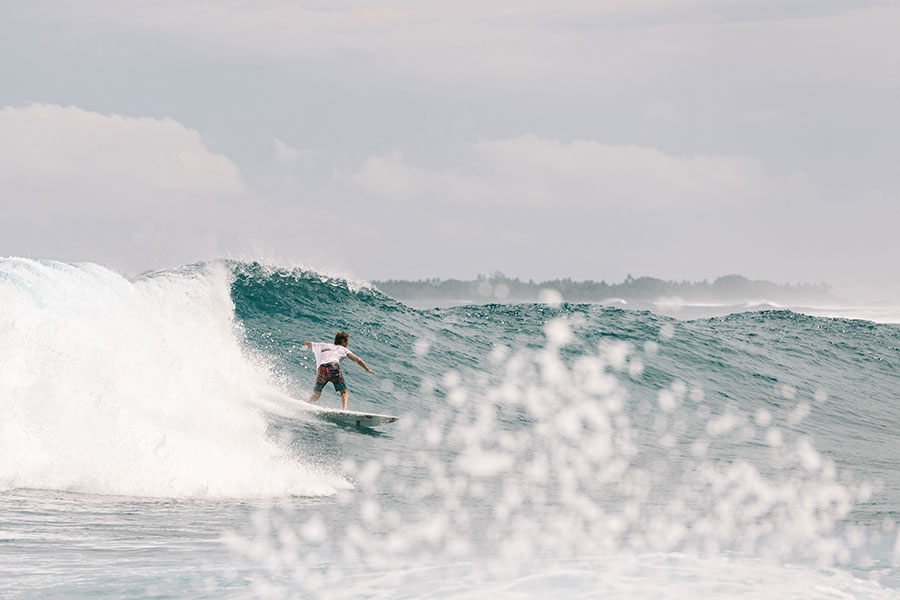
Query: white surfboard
{"type": "Point", "coordinates": [352, 417]}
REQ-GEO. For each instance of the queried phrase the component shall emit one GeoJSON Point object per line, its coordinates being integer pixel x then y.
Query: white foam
{"type": "Point", "coordinates": [671, 306]}
{"type": "Point", "coordinates": [666, 576]}
{"type": "Point", "coordinates": [138, 388]}
{"type": "Point", "coordinates": [889, 315]}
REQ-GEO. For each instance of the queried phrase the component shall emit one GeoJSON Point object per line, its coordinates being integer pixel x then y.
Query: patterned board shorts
{"type": "Point", "coordinates": [330, 372]}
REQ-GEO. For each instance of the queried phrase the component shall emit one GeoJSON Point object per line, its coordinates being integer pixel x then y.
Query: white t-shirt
{"type": "Point", "coordinates": [328, 353]}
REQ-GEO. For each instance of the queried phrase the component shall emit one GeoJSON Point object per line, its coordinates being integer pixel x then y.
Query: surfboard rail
{"type": "Point", "coordinates": [357, 418]}
{"type": "Point", "coordinates": [350, 417]}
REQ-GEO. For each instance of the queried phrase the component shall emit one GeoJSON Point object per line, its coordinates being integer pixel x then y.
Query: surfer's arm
{"type": "Point", "coordinates": [359, 361]}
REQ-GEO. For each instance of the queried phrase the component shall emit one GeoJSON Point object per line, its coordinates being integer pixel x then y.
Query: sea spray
{"type": "Point", "coordinates": [541, 458]}
{"type": "Point", "coordinates": [140, 388]}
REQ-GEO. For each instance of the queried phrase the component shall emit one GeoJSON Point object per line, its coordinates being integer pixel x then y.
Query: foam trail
{"type": "Point", "coordinates": [139, 388]}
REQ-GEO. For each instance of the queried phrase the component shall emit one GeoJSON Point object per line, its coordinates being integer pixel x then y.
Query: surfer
{"type": "Point", "coordinates": [328, 358]}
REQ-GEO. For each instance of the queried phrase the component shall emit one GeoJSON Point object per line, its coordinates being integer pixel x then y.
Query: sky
{"type": "Point", "coordinates": [681, 139]}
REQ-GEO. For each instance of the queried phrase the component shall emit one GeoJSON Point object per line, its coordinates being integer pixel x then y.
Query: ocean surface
{"type": "Point", "coordinates": [153, 443]}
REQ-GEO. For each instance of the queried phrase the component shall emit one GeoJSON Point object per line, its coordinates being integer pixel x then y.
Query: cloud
{"type": "Point", "coordinates": [285, 155]}
{"type": "Point", "coordinates": [87, 186]}
{"type": "Point", "coordinates": [538, 172]}
{"type": "Point", "coordinates": [49, 153]}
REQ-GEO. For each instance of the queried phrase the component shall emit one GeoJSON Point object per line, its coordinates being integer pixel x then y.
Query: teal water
{"type": "Point", "coordinates": [153, 445]}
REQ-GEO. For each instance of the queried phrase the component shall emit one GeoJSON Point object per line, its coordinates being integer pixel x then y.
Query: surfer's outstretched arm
{"type": "Point", "coordinates": [359, 361]}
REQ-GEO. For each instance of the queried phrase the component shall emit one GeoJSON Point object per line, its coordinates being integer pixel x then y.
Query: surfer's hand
{"type": "Point", "coordinates": [370, 371]}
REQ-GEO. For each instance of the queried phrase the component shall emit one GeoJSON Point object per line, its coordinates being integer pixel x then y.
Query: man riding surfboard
{"type": "Point", "coordinates": [328, 369]}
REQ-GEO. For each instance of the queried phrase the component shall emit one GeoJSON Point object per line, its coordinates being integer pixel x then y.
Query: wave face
{"type": "Point", "coordinates": [529, 432]}
{"type": "Point", "coordinates": [833, 380]}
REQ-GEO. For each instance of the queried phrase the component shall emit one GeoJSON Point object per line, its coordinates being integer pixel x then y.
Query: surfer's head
{"type": "Point", "coordinates": [341, 339]}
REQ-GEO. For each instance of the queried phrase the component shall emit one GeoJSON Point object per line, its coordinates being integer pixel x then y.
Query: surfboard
{"type": "Point", "coordinates": [352, 417]}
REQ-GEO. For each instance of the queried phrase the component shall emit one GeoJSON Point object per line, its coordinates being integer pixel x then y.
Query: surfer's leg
{"type": "Point", "coordinates": [337, 377]}
{"type": "Point", "coordinates": [321, 380]}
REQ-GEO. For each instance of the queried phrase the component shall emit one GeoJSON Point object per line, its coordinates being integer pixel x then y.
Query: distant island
{"type": "Point", "coordinates": [500, 288]}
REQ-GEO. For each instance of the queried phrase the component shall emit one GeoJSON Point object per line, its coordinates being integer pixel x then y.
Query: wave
{"type": "Point", "coordinates": [530, 433]}
{"type": "Point", "coordinates": [139, 387]}
{"type": "Point", "coordinates": [162, 385]}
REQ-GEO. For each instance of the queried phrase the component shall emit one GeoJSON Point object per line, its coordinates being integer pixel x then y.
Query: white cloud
{"type": "Point", "coordinates": [392, 177]}
{"type": "Point", "coordinates": [287, 156]}
{"type": "Point", "coordinates": [91, 159]}
{"type": "Point", "coordinates": [87, 186]}
{"type": "Point", "coordinates": [533, 171]}
{"type": "Point", "coordinates": [284, 154]}
{"type": "Point", "coordinates": [81, 185]}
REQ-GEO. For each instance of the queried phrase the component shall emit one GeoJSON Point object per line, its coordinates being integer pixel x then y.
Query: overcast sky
{"type": "Point", "coordinates": [682, 139]}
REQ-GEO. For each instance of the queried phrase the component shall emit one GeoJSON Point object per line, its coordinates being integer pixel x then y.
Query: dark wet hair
{"type": "Point", "coordinates": [340, 337]}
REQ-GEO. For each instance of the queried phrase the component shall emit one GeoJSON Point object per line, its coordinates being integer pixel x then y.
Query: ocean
{"type": "Point", "coordinates": [154, 444]}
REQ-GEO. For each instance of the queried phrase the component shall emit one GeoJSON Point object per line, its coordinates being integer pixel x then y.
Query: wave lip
{"type": "Point", "coordinates": [135, 387]}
